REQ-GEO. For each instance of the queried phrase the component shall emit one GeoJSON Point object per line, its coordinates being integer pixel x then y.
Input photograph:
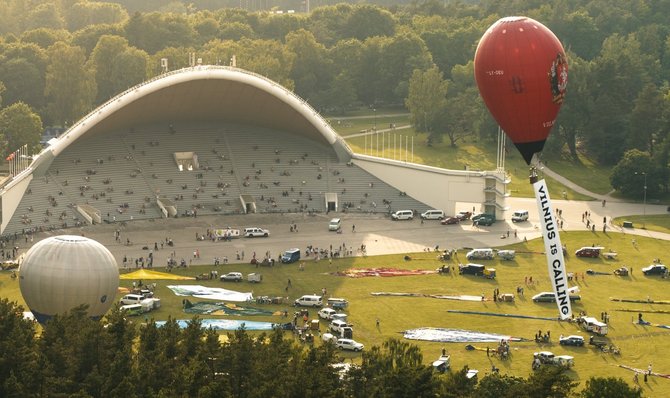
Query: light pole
{"type": "Point", "coordinates": [644, 200]}
{"type": "Point", "coordinates": [374, 111]}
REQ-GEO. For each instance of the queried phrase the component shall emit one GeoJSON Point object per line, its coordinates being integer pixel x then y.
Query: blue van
{"type": "Point", "coordinates": [290, 256]}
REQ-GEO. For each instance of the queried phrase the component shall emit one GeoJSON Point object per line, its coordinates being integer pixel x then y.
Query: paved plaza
{"type": "Point", "coordinates": [377, 232]}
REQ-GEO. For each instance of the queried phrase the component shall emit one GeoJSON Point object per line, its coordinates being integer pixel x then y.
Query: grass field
{"type": "Point", "coordinates": [640, 345]}
{"type": "Point", "coordinates": [473, 154]}
{"type": "Point", "coordinates": [652, 222]}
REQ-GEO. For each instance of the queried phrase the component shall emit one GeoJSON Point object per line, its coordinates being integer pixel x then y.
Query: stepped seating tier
{"type": "Point", "coordinates": [122, 174]}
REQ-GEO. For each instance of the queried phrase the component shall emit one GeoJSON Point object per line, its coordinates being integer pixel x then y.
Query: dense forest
{"type": "Point", "coordinates": [60, 59]}
{"type": "Point", "coordinates": [78, 357]}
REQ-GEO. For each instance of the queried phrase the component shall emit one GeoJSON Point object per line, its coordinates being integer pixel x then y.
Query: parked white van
{"type": "Point", "coordinates": [520, 215]}
{"type": "Point", "coordinates": [309, 301]}
{"type": "Point", "coordinates": [335, 224]}
{"type": "Point", "coordinates": [432, 214]}
{"type": "Point", "coordinates": [402, 215]}
{"type": "Point", "coordinates": [480, 254]}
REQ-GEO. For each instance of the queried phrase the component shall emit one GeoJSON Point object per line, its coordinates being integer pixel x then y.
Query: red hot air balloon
{"type": "Point", "coordinates": [521, 71]}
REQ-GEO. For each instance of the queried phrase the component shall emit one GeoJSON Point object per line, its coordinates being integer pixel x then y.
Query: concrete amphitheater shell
{"type": "Point", "coordinates": [231, 95]}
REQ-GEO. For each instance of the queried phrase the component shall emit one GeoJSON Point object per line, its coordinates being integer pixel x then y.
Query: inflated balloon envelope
{"type": "Point", "coordinates": [521, 71]}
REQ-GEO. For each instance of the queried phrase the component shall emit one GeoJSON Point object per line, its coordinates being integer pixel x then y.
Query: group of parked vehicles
{"type": "Point", "coordinates": [340, 332]}
{"type": "Point", "coordinates": [434, 214]}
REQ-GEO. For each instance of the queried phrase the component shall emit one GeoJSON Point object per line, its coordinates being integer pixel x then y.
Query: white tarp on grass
{"type": "Point", "coordinates": [455, 336]}
{"type": "Point", "coordinates": [214, 293]}
{"type": "Point", "coordinates": [226, 324]}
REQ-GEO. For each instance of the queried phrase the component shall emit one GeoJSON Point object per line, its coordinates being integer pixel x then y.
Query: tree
{"type": "Point", "coordinates": [70, 87]}
{"type": "Point", "coordinates": [457, 384]}
{"type": "Point", "coordinates": [22, 70]}
{"type": "Point", "coordinates": [116, 66]}
{"type": "Point", "coordinates": [155, 31]}
{"type": "Point", "coordinates": [463, 105]}
{"type": "Point", "coordinates": [547, 382]}
{"type": "Point", "coordinates": [88, 37]}
{"type": "Point", "coordinates": [611, 387]}
{"type": "Point", "coordinates": [494, 385]}
{"type": "Point", "coordinates": [576, 109]}
{"type": "Point", "coordinates": [87, 13]}
{"type": "Point", "coordinates": [647, 117]}
{"type": "Point", "coordinates": [45, 37]}
{"type": "Point", "coordinates": [18, 363]}
{"type": "Point", "coordinates": [328, 24]}
{"type": "Point", "coordinates": [426, 98]}
{"type": "Point", "coordinates": [19, 125]}
{"type": "Point", "coordinates": [311, 68]}
{"type": "Point", "coordinates": [630, 174]}
{"type": "Point", "coordinates": [45, 15]}
{"type": "Point", "coordinates": [620, 72]}
{"type": "Point", "coordinates": [399, 57]}
{"type": "Point", "coordinates": [368, 20]}
{"type": "Point", "coordinates": [396, 370]}
{"type": "Point", "coordinates": [118, 352]}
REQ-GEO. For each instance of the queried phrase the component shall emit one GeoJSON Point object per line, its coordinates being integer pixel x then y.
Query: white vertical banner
{"type": "Point", "coordinates": [553, 249]}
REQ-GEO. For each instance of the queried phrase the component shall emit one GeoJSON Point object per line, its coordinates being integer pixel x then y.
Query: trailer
{"type": "Point", "coordinates": [593, 325]}
{"type": "Point", "coordinates": [226, 233]}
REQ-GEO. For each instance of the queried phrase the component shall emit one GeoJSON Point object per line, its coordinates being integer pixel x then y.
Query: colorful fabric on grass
{"type": "Point", "coordinates": [207, 308]}
{"type": "Point", "coordinates": [362, 272]}
{"type": "Point", "coordinates": [212, 293]}
{"type": "Point", "coordinates": [145, 274]}
{"type": "Point", "coordinates": [444, 335]}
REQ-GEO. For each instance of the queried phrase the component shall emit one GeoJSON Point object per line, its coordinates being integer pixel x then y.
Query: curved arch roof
{"type": "Point", "coordinates": [206, 93]}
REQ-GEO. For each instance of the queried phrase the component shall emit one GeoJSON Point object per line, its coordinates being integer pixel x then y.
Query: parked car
{"type": "Point", "coordinates": [328, 337]}
{"type": "Point", "coordinates": [463, 215]}
{"type": "Point", "coordinates": [506, 254]}
{"type": "Point", "coordinates": [550, 297]}
{"type": "Point", "coordinates": [290, 256]}
{"type": "Point", "coordinates": [588, 252]}
{"type": "Point", "coordinates": [309, 300]}
{"type": "Point", "coordinates": [572, 340]}
{"type": "Point", "coordinates": [402, 215]}
{"type": "Point", "coordinates": [432, 214]}
{"type": "Point", "coordinates": [545, 357]}
{"type": "Point", "coordinates": [335, 224]}
{"type": "Point", "coordinates": [479, 254]}
{"type": "Point", "coordinates": [326, 313]}
{"type": "Point", "coordinates": [484, 219]}
{"type": "Point", "coordinates": [655, 269]}
{"type": "Point", "coordinates": [256, 232]}
{"type": "Point", "coordinates": [349, 344]}
{"type": "Point", "coordinates": [450, 220]}
{"type": "Point", "coordinates": [337, 303]}
{"type": "Point", "coordinates": [520, 216]}
{"type": "Point", "coordinates": [232, 277]}
{"type": "Point", "coordinates": [337, 326]}
{"type": "Point", "coordinates": [564, 360]}
{"type": "Point", "coordinates": [129, 299]}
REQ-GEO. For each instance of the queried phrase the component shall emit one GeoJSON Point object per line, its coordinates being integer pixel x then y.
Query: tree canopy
{"type": "Point", "coordinates": [343, 55]}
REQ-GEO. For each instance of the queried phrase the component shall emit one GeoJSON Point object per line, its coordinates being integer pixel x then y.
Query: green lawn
{"type": "Point", "coordinates": [653, 222]}
{"type": "Point", "coordinates": [639, 344]}
{"type": "Point", "coordinates": [471, 153]}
